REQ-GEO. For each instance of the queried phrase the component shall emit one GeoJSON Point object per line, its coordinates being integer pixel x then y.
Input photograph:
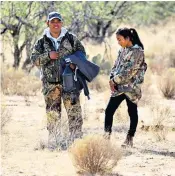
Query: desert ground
{"type": "Point", "coordinates": [22, 154]}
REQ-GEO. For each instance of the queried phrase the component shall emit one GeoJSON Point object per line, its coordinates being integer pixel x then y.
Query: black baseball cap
{"type": "Point", "coordinates": [53, 15]}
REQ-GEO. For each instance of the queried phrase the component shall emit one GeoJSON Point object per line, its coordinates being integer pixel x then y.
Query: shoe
{"type": "Point", "coordinates": [128, 142]}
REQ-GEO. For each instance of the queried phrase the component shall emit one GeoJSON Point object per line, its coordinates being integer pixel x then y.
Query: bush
{"type": "Point", "coordinates": [157, 65]}
{"type": "Point", "coordinates": [16, 82]}
{"type": "Point", "coordinates": [97, 59]}
{"type": "Point", "coordinates": [105, 67]}
{"type": "Point", "coordinates": [147, 88]}
{"type": "Point", "coordinates": [56, 128]}
{"type": "Point", "coordinates": [167, 84]}
{"type": "Point", "coordinates": [93, 154]}
{"type": "Point", "coordinates": [160, 115]}
{"type": "Point", "coordinates": [172, 59]}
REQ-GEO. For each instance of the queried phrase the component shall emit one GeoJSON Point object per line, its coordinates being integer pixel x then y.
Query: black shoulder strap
{"type": "Point", "coordinates": [69, 36]}
{"type": "Point", "coordinates": [45, 39]}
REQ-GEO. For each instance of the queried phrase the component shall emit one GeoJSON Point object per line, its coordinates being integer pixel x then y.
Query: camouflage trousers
{"type": "Point", "coordinates": [53, 109]}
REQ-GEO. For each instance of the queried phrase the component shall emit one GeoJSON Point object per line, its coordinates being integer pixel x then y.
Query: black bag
{"type": "Point", "coordinates": [69, 84]}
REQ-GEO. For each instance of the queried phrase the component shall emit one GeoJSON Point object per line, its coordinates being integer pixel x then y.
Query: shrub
{"type": "Point", "coordinates": [172, 59]}
{"type": "Point", "coordinates": [157, 65]}
{"type": "Point", "coordinates": [146, 88]}
{"type": "Point", "coordinates": [160, 115]}
{"type": "Point", "coordinates": [97, 59]}
{"type": "Point", "coordinates": [17, 82]}
{"type": "Point", "coordinates": [54, 128]}
{"type": "Point", "coordinates": [167, 84]}
{"type": "Point", "coordinates": [105, 67]}
{"type": "Point", "coordinates": [59, 137]}
{"type": "Point", "coordinates": [93, 154]}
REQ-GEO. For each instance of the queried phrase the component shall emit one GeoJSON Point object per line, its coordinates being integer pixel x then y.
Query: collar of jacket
{"type": "Point", "coordinates": [50, 42]}
{"type": "Point", "coordinates": [62, 34]}
{"type": "Point", "coordinates": [56, 41]}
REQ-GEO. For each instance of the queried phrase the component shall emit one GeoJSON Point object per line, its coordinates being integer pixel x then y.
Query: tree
{"type": "Point", "coordinates": [23, 22]}
{"type": "Point", "coordinates": [13, 21]}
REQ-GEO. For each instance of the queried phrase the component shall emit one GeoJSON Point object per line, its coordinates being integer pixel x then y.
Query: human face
{"type": "Point", "coordinates": [123, 42]}
{"type": "Point", "coordinates": [55, 26]}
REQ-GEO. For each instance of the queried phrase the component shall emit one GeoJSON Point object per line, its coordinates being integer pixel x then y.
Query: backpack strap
{"type": "Point", "coordinates": [69, 36]}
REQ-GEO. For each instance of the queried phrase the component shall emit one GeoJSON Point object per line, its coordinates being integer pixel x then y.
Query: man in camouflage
{"type": "Point", "coordinates": [49, 54]}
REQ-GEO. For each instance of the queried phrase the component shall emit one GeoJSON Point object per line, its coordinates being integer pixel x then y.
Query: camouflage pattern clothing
{"type": "Point", "coordinates": [128, 72]}
{"type": "Point", "coordinates": [51, 76]}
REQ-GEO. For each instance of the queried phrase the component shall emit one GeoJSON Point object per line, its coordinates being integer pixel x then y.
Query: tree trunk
{"type": "Point", "coordinates": [28, 53]}
{"type": "Point", "coordinates": [16, 56]}
{"type": "Point", "coordinates": [28, 39]}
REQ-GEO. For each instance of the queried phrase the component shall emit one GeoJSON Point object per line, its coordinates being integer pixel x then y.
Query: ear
{"type": "Point", "coordinates": [128, 38]}
{"type": "Point", "coordinates": [47, 23]}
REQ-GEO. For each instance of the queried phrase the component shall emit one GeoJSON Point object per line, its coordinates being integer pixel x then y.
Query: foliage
{"type": "Point", "coordinates": [147, 13]}
{"type": "Point", "coordinates": [161, 115]}
{"type": "Point", "coordinates": [15, 82]}
{"type": "Point", "coordinates": [23, 22]}
{"type": "Point", "coordinates": [167, 84]}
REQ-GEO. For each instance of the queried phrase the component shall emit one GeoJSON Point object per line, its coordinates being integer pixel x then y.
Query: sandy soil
{"type": "Point", "coordinates": [22, 136]}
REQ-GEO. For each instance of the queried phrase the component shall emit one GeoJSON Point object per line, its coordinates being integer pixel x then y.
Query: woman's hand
{"type": "Point", "coordinates": [112, 85]}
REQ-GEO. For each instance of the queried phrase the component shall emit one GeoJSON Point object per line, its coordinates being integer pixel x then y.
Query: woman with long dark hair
{"type": "Point", "coordinates": [126, 78]}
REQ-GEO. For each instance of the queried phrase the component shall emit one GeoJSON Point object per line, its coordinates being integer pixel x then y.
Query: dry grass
{"type": "Point", "coordinates": [161, 115]}
{"type": "Point", "coordinates": [147, 88]}
{"type": "Point", "coordinates": [157, 64]}
{"type": "Point", "coordinates": [167, 84]}
{"type": "Point", "coordinates": [172, 59]}
{"type": "Point", "coordinates": [58, 131]}
{"type": "Point", "coordinates": [93, 154]}
{"type": "Point", "coordinates": [17, 82]}
{"type": "Point", "coordinates": [159, 40]}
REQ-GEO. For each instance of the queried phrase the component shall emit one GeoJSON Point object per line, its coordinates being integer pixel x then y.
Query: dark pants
{"type": "Point", "coordinates": [113, 104]}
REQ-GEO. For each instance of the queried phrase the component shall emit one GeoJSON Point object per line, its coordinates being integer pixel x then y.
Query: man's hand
{"type": "Point", "coordinates": [72, 66]}
{"type": "Point", "coordinates": [112, 85]}
{"type": "Point", "coordinates": [53, 55]}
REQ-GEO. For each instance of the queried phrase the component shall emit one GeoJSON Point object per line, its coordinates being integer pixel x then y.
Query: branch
{"type": "Point", "coordinates": [3, 31]}
{"type": "Point", "coordinates": [22, 46]}
{"type": "Point", "coordinates": [23, 22]}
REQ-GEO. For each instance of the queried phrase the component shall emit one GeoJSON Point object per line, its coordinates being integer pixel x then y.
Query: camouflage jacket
{"type": "Point", "coordinates": [51, 70]}
{"type": "Point", "coordinates": [128, 72]}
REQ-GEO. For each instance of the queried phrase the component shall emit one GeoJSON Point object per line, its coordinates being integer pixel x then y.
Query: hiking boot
{"type": "Point", "coordinates": [107, 136]}
{"type": "Point", "coordinates": [128, 142]}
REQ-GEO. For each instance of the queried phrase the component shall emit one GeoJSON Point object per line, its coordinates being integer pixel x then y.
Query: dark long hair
{"type": "Point", "coordinates": [132, 34]}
